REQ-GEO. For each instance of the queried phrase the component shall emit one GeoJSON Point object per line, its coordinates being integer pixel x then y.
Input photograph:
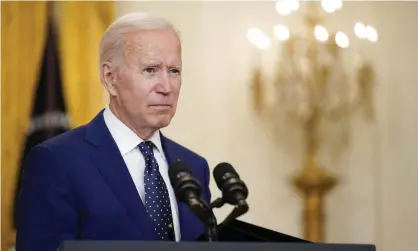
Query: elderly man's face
{"type": "Point", "coordinates": [149, 81]}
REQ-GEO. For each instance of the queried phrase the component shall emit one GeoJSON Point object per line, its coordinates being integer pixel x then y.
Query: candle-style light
{"type": "Point", "coordinates": [314, 89]}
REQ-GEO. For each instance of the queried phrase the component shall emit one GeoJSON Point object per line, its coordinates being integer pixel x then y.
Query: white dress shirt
{"type": "Point", "coordinates": [127, 142]}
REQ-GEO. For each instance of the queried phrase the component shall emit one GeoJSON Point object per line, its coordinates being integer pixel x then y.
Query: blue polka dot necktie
{"type": "Point", "coordinates": [157, 199]}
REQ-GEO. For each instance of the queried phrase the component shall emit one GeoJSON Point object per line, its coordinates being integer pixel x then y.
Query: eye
{"type": "Point", "coordinates": [149, 70]}
{"type": "Point", "coordinates": [174, 72]}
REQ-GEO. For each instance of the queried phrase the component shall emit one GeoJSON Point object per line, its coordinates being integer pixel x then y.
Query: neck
{"type": "Point", "coordinates": [144, 133]}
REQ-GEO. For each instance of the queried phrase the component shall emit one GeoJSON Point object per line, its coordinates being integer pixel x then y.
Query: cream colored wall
{"type": "Point", "coordinates": [376, 201]}
{"type": "Point", "coordinates": [399, 169]}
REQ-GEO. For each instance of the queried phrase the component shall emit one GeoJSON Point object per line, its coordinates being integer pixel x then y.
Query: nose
{"type": "Point", "coordinates": [164, 86]}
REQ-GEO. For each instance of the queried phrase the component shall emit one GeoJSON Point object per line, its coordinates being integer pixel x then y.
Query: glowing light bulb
{"type": "Point", "coordinates": [371, 34]}
{"type": "Point", "coordinates": [329, 6]}
{"type": "Point", "coordinates": [321, 34]}
{"type": "Point", "coordinates": [360, 30]}
{"type": "Point", "coordinates": [258, 38]}
{"type": "Point", "coordinates": [283, 7]}
{"type": "Point", "coordinates": [341, 39]}
{"type": "Point", "coordinates": [281, 32]}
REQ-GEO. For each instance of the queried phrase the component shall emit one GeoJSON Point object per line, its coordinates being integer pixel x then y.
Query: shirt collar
{"type": "Point", "coordinates": [125, 138]}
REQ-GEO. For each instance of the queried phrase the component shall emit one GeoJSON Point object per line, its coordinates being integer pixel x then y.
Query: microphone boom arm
{"type": "Point", "coordinates": [206, 216]}
{"type": "Point", "coordinates": [238, 210]}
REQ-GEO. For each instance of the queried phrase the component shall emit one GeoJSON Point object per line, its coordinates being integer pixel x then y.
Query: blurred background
{"type": "Point", "coordinates": [314, 104]}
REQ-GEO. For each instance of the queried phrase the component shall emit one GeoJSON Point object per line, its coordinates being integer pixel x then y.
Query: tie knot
{"type": "Point", "coordinates": [146, 148]}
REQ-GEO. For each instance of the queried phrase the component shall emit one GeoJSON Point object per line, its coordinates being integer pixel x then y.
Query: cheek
{"type": "Point", "coordinates": [138, 98]}
{"type": "Point", "coordinates": [176, 88]}
{"type": "Point", "coordinates": [133, 92]}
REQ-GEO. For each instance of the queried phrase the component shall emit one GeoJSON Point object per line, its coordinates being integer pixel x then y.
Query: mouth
{"type": "Point", "coordinates": [160, 105]}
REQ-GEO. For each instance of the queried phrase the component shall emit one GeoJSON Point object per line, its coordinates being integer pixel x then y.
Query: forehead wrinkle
{"type": "Point", "coordinates": [134, 42]}
{"type": "Point", "coordinates": [131, 48]}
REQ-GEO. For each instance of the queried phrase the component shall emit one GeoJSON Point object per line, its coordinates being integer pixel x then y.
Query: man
{"type": "Point", "coordinates": [108, 180]}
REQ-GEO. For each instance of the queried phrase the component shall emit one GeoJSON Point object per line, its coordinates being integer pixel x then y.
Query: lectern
{"type": "Point", "coordinates": [239, 231]}
{"type": "Point", "coordinates": [236, 236]}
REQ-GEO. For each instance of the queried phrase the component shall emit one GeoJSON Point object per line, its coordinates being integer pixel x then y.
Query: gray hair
{"type": "Point", "coordinates": [112, 40]}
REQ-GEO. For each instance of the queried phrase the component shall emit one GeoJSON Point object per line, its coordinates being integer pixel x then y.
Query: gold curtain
{"type": "Point", "coordinates": [23, 35]}
{"type": "Point", "coordinates": [81, 25]}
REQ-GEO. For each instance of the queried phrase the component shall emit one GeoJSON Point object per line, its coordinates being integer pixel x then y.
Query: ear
{"type": "Point", "coordinates": [109, 78]}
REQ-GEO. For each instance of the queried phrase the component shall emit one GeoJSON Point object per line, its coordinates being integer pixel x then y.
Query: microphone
{"type": "Point", "coordinates": [188, 190]}
{"type": "Point", "coordinates": [186, 187]}
{"type": "Point", "coordinates": [234, 191]}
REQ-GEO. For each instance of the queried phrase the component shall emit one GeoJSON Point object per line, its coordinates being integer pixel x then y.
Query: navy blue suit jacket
{"type": "Point", "coordinates": [77, 186]}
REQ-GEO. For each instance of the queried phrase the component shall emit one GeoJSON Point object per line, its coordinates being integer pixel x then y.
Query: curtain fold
{"type": "Point", "coordinates": [23, 34]}
{"type": "Point", "coordinates": [80, 26]}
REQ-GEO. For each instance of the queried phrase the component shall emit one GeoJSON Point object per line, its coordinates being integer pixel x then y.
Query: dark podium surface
{"type": "Point", "coordinates": [245, 232]}
{"type": "Point", "coordinates": [206, 246]}
{"type": "Point", "coordinates": [236, 236]}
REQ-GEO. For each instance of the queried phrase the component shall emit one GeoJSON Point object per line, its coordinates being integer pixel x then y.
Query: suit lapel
{"type": "Point", "coordinates": [189, 223]}
{"type": "Point", "coordinates": [113, 169]}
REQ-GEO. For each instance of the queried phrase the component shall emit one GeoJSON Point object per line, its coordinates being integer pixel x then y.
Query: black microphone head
{"type": "Point", "coordinates": [223, 172]}
{"type": "Point", "coordinates": [178, 170]}
{"type": "Point", "coordinates": [184, 184]}
{"type": "Point", "coordinates": [228, 181]}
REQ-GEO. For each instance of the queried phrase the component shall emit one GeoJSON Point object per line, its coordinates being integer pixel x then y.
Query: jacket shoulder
{"type": "Point", "coordinates": [65, 140]}
{"type": "Point", "coordinates": [184, 151]}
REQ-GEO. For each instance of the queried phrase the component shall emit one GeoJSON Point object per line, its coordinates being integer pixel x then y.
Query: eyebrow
{"type": "Point", "coordinates": [150, 62]}
{"type": "Point", "coordinates": [158, 64]}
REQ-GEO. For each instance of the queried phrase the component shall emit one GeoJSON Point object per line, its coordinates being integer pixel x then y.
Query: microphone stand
{"type": "Point", "coordinates": [205, 213]}
{"type": "Point", "coordinates": [211, 228]}
{"type": "Point", "coordinates": [240, 209]}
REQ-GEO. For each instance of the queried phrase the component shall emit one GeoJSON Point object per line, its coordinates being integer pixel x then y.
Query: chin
{"type": "Point", "coordinates": [162, 121]}
{"type": "Point", "coordinates": [163, 124]}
